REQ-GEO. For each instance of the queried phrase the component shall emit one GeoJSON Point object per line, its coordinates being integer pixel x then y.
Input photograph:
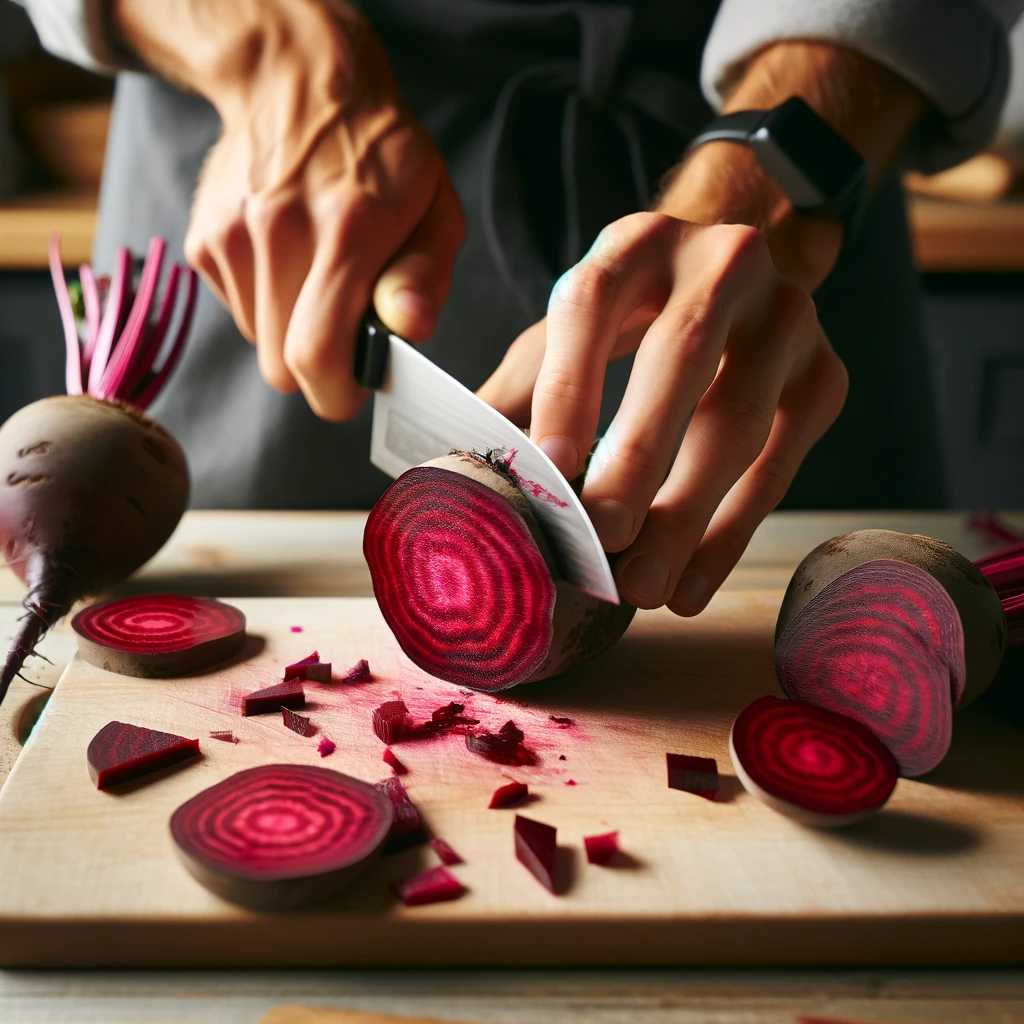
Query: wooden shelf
{"type": "Point", "coordinates": [27, 221]}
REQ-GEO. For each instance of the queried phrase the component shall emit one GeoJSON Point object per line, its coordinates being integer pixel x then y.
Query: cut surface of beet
{"type": "Point", "coordinates": [536, 849]}
{"type": "Point", "coordinates": [881, 644]}
{"type": "Point", "coordinates": [407, 828]}
{"type": "Point", "coordinates": [817, 766]}
{"type": "Point", "coordinates": [698, 775]}
{"type": "Point", "coordinates": [297, 723]}
{"type": "Point", "coordinates": [508, 796]}
{"type": "Point", "coordinates": [358, 673]}
{"type": "Point", "coordinates": [601, 849]}
{"type": "Point", "coordinates": [434, 885]}
{"type": "Point", "coordinates": [159, 635]}
{"type": "Point", "coordinates": [460, 579]}
{"type": "Point", "coordinates": [396, 766]}
{"type": "Point", "coordinates": [326, 747]}
{"type": "Point", "coordinates": [273, 698]}
{"type": "Point", "coordinates": [120, 751]}
{"type": "Point", "coordinates": [390, 721]}
{"type": "Point", "coordinates": [281, 835]}
{"type": "Point", "coordinates": [311, 668]}
{"type": "Point", "coordinates": [445, 852]}
{"type": "Point", "coordinates": [503, 747]}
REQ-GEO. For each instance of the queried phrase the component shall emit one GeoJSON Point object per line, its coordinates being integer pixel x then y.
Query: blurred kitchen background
{"type": "Point", "coordinates": [968, 226]}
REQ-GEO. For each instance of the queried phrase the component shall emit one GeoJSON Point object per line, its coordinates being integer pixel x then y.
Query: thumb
{"type": "Point", "coordinates": [412, 289]}
{"type": "Point", "coordinates": [510, 388]}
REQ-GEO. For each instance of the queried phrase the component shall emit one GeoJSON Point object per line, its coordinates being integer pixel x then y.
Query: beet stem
{"type": "Point", "coordinates": [119, 283]}
{"type": "Point", "coordinates": [93, 314]}
{"type": "Point", "coordinates": [73, 366]}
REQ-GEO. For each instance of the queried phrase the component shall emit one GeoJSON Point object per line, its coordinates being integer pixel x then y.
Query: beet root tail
{"type": "Point", "coordinates": [30, 632]}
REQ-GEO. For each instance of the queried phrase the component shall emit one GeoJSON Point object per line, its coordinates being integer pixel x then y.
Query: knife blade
{"type": "Point", "coordinates": [421, 413]}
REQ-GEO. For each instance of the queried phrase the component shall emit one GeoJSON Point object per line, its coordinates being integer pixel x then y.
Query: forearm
{"type": "Point", "coordinates": [871, 107]}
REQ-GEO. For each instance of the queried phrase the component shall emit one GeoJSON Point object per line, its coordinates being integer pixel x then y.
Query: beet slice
{"type": "Point", "coordinates": [407, 828]}
{"type": "Point", "coordinates": [536, 849]}
{"type": "Point", "coordinates": [510, 795]}
{"type": "Point", "coordinates": [297, 723]}
{"type": "Point", "coordinates": [396, 766]}
{"type": "Point", "coordinates": [814, 765]}
{"type": "Point", "coordinates": [434, 885]}
{"type": "Point", "coordinates": [698, 775]}
{"type": "Point", "coordinates": [282, 695]}
{"type": "Point", "coordinates": [445, 852]}
{"type": "Point", "coordinates": [467, 583]}
{"type": "Point", "coordinates": [120, 751]}
{"type": "Point", "coordinates": [883, 645]}
{"type": "Point", "coordinates": [281, 835]}
{"type": "Point", "coordinates": [159, 635]}
{"type": "Point", "coordinates": [601, 849]}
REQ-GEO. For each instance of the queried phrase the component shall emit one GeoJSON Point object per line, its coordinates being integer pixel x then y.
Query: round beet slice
{"type": "Point", "coordinates": [282, 835]}
{"type": "Point", "coordinates": [810, 764]}
{"type": "Point", "coordinates": [465, 580]}
{"type": "Point", "coordinates": [881, 644]}
{"type": "Point", "coordinates": [159, 635]}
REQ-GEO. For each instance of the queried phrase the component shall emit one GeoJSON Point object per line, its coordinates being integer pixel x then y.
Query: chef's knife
{"type": "Point", "coordinates": [421, 413]}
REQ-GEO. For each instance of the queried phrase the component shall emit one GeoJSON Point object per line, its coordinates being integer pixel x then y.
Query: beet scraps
{"type": "Point", "coordinates": [396, 766]}
{"type": "Point", "coordinates": [120, 751]}
{"type": "Point", "coordinates": [358, 673]}
{"type": "Point", "coordinates": [691, 774]}
{"type": "Point", "coordinates": [406, 828]}
{"type": "Point", "coordinates": [297, 723]}
{"type": "Point", "coordinates": [310, 668]}
{"type": "Point", "coordinates": [435, 885]}
{"type": "Point", "coordinates": [224, 735]}
{"type": "Point", "coordinates": [503, 747]}
{"type": "Point", "coordinates": [508, 796]}
{"type": "Point", "coordinates": [536, 848]}
{"type": "Point", "coordinates": [296, 629]}
{"type": "Point", "coordinates": [445, 852]}
{"type": "Point", "coordinates": [326, 747]}
{"type": "Point", "coordinates": [282, 695]}
{"type": "Point", "coordinates": [565, 723]}
{"type": "Point", "coordinates": [601, 849]}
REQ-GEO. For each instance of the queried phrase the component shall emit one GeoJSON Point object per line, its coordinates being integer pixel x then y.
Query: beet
{"type": "Point", "coordinates": [396, 766]}
{"type": "Point", "coordinates": [282, 835]}
{"type": "Point", "coordinates": [159, 635]}
{"type": "Point", "coordinates": [434, 885]}
{"type": "Point", "coordinates": [691, 774]}
{"type": "Point", "coordinates": [289, 694]}
{"type": "Point", "coordinates": [326, 747]}
{"type": "Point", "coordinates": [537, 849]}
{"type": "Point", "coordinates": [1005, 571]}
{"type": "Point", "coordinates": [503, 747]}
{"type": "Point", "coordinates": [601, 849]}
{"type": "Point", "coordinates": [310, 668]}
{"type": "Point", "coordinates": [445, 852]}
{"type": "Point", "coordinates": [390, 721]}
{"type": "Point", "coordinates": [811, 764]}
{"type": "Point", "coordinates": [510, 795]}
{"type": "Point", "coordinates": [468, 585]}
{"type": "Point", "coordinates": [297, 723]}
{"type": "Point", "coordinates": [358, 673]}
{"type": "Point", "coordinates": [882, 644]}
{"type": "Point", "coordinates": [224, 735]}
{"type": "Point", "coordinates": [119, 752]}
{"type": "Point", "coordinates": [90, 487]}
{"type": "Point", "coordinates": [407, 828]}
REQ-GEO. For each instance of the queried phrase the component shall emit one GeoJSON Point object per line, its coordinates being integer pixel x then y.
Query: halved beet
{"type": "Point", "coordinates": [273, 698]}
{"type": "Point", "coordinates": [119, 752]}
{"type": "Point", "coordinates": [466, 581]}
{"type": "Point", "coordinates": [434, 885]}
{"type": "Point", "coordinates": [159, 635]}
{"type": "Point", "coordinates": [601, 849]}
{"type": "Point", "coordinates": [509, 795]}
{"type": "Point", "coordinates": [691, 774]}
{"type": "Point", "coordinates": [282, 835]}
{"type": "Point", "coordinates": [814, 765]}
{"type": "Point", "coordinates": [537, 849]}
{"type": "Point", "coordinates": [1005, 571]}
{"type": "Point", "coordinates": [882, 644]}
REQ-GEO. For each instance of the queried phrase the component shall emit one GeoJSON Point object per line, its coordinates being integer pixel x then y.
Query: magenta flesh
{"type": "Point", "coordinates": [358, 673]}
{"type": "Point", "coordinates": [297, 723]}
{"type": "Point", "coordinates": [396, 766]}
{"type": "Point", "coordinates": [311, 669]}
{"type": "Point", "coordinates": [510, 795]}
{"type": "Point", "coordinates": [281, 835]}
{"type": "Point", "coordinates": [503, 747]}
{"type": "Point", "coordinates": [447, 855]}
{"type": "Point", "coordinates": [601, 849]}
{"type": "Point", "coordinates": [691, 774]}
{"type": "Point", "coordinates": [460, 580]}
{"type": "Point", "coordinates": [273, 698]}
{"type": "Point", "coordinates": [881, 644]}
{"type": "Point", "coordinates": [812, 764]}
{"type": "Point", "coordinates": [536, 849]}
{"type": "Point", "coordinates": [326, 747]}
{"type": "Point", "coordinates": [390, 721]}
{"type": "Point", "coordinates": [434, 885]}
{"type": "Point", "coordinates": [407, 828]}
{"type": "Point", "coordinates": [119, 752]}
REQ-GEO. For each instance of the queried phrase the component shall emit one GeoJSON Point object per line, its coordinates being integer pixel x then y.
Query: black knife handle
{"type": "Point", "coordinates": [371, 353]}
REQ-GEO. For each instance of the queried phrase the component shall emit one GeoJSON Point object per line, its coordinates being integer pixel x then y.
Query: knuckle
{"type": "Point", "coordinates": [744, 424]}
{"type": "Point", "coordinates": [736, 247]}
{"type": "Point", "coordinates": [591, 286]}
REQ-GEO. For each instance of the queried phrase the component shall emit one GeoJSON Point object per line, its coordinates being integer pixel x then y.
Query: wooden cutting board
{"type": "Point", "coordinates": [91, 878]}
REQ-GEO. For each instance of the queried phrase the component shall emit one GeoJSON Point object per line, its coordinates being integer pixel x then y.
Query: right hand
{"type": "Point", "coordinates": [322, 195]}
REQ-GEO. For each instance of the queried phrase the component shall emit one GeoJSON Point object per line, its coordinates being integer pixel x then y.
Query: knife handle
{"type": "Point", "coordinates": [371, 352]}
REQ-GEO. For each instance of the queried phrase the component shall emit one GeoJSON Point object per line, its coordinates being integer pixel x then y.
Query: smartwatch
{"type": "Point", "coordinates": [820, 172]}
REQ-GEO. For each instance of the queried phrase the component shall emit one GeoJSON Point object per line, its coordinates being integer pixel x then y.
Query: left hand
{"type": "Point", "coordinates": [727, 351]}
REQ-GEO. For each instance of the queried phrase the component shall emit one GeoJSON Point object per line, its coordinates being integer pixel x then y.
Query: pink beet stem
{"type": "Point", "coordinates": [93, 311]}
{"type": "Point", "coordinates": [120, 284]}
{"type": "Point", "coordinates": [153, 388]}
{"type": "Point", "coordinates": [141, 369]}
{"type": "Point", "coordinates": [73, 363]}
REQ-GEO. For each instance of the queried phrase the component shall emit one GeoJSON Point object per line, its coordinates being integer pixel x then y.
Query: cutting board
{"type": "Point", "coordinates": [91, 878]}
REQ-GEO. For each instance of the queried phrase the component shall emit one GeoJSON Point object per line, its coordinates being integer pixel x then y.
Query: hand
{"type": "Point", "coordinates": [721, 341]}
{"type": "Point", "coordinates": [323, 193]}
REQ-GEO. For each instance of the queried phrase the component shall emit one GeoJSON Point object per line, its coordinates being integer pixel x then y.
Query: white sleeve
{"type": "Point", "coordinates": [77, 31]}
{"type": "Point", "coordinates": [954, 51]}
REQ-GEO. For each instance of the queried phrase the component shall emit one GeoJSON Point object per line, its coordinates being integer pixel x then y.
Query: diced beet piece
{"type": "Point", "coordinates": [396, 766]}
{"type": "Point", "coordinates": [451, 714]}
{"type": "Point", "coordinates": [282, 695]}
{"type": "Point", "coordinates": [445, 852]}
{"type": "Point", "coordinates": [159, 636]}
{"type": "Point", "coordinates": [282, 835]}
{"type": "Point", "coordinates": [119, 752]}
{"type": "Point", "coordinates": [561, 757]}
{"type": "Point", "coordinates": [601, 849]}
{"type": "Point", "coordinates": [297, 723]}
{"type": "Point", "coordinates": [391, 721]}
{"type": "Point", "coordinates": [571, 782]}
{"type": "Point", "coordinates": [435, 885]}
{"type": "Point", "coordinates": [536, 849]}
{"type": "Point", "coordinates": [697, 775]}
{"type": "Point", "coordinates": [292, 671]}
{"type": "Point", "coordinates": [358, 673]}
{"type": "Point", "coordinates": [566, 723]}
{"type": "Point", "coordinates": [224, 735]}
{"type": "Point", "coordinates": [311, 669]}
{"type": "Point", "coordinates": [296, 629]}
{"type": "Point", "coordinates": [407, 829]}
{"type": "Point", "coordinates": [503, 747]}
{"type": "Point", "coordinates": [507, 796]}
{"type": "Point", "coordinates": [326, 747]}
{"type": "Point", "coordinates": [816, 766]}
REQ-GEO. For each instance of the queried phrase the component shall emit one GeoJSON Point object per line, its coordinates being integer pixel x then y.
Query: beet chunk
{"type": "Point", "coordinates": [508, 796]}
{"type": "Point", "coordinates": [434, 885]}
{"type": "Point", "coordinates": [691, 774]}
{"type": "Point", "coordinates": [282, 695]}
{"type": "Point", "coordinates": [601, 849]}
{"type": "Point", "coordinates": [536, 849]}
{"type": "Point", "coordinates": [119, 752]}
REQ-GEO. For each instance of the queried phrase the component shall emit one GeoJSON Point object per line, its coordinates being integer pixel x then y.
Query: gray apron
{"type": "Point", "coordinates": [554, 119]}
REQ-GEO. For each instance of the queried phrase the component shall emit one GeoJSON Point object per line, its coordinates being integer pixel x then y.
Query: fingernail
{"type": "Point", "coordinates": [563, 453]}
{"type": "Point", "coordinates": [692, 591]}
{"type": "Point", "coordinates": [646, 579]}
{"type": "Point", "coordinates": [613, 522]}
{"type": "Point", "coordinates": [414, 304]}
